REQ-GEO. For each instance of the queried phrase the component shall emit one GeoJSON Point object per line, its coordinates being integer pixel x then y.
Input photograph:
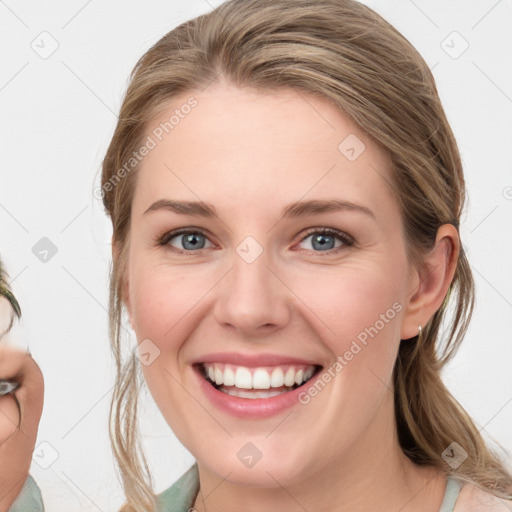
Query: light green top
{"type": "Point", "coordinates": [182, 494]}
{"type": "Point", "coordinates": [29, 499]}
{"type": "Point", "coordinates": [180, 497]}
{"type": "Point", "coordinates": [451, 494]}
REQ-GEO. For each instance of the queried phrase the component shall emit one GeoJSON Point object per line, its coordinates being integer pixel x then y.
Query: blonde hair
{"type": "Point", "coordinates": [344, 52]}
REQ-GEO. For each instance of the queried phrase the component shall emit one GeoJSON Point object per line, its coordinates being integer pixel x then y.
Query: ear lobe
{"type": "Point", "coordinates": [433, 281]}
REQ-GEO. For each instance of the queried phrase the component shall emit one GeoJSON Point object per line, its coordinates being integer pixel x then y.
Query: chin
{"type": "Point", "coordinates": [256, 463]}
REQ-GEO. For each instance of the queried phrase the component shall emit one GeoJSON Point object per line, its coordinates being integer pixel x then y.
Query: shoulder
{"type": "Point", "coordinates": [473, 499]}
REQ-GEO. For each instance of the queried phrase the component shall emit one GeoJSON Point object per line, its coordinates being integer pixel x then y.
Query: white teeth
{"type": "Point", "coordinates": [309, 373]}
{"type": "Point", "coordinates": [243, 378]}
{"type": "Point", "coordinates": [257, 378]}
{"type": "Point", "coordinates": [229, 377]}
{"type": "Point", "coordinates": [289, 378]}
{"type": "Point", "coordinates": [260, 379]}
{"type": "Point", "coordinates": [277, 379]}
{"type": "Point", "coordinates": [218, 376]}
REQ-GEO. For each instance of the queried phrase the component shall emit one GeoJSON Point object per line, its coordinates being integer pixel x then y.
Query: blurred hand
{"type": "Point", "coordinates": [18, 434]}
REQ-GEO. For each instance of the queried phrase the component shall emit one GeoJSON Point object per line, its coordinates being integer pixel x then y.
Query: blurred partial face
{"type": "Point", "coordinates": [267, 273]}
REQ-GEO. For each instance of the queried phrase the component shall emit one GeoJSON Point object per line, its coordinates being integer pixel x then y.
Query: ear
{"type": "Point", "coordinates": [125, 296]}
{"type": "Point", "coordinates": [430, 285]}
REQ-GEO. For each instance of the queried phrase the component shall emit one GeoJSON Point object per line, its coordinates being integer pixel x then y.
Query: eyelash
{"type": "Point", "coordinates": [348, 241]}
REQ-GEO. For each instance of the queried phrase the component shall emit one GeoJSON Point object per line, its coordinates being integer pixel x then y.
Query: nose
{"type": "Point", "coordinates": [253, 299]}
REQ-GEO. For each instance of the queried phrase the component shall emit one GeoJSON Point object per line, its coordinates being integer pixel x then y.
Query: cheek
{"type": "Point", "coordinates": [357, 312]}
{"type": "Point", "coordinates": [162, 298]}
{"type": "Point", "coordinates": [352, 300]}
{"type": "Point", "coordinates": [164, 302]}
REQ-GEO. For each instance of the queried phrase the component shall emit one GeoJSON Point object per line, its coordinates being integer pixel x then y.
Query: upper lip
{"type": "Point", "coordinates": [252, 360]}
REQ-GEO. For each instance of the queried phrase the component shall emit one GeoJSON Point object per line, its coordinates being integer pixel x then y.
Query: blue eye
{"type": "Point", "coordinates": [190, 240]}
{"type": "Point", "coordinates": [324, 239]}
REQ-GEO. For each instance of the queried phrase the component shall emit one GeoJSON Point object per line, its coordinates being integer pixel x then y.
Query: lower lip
{"type": "Point", "coordinates": [251, 407]}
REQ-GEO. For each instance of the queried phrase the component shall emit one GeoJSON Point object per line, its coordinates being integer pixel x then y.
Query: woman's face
{"type": "Point", "coordinates": [260, 293]}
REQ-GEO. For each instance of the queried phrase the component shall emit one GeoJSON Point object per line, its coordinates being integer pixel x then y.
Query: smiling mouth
{"type": "Point", "coordinates": [254, 383]}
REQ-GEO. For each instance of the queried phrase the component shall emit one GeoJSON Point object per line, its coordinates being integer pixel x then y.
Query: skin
{"type": "Point", "coordinates": [249, 154]}
{"type": "Point", "coordinates": [17, 444]}
{"type": "Point", "coordinates": [17, 435]}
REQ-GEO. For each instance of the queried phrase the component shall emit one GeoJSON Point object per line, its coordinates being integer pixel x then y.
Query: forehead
{"type": "Point", "coordinates": [250, 147]}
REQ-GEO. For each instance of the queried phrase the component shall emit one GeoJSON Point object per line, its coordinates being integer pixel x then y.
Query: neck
{"type": "Point", "coordinates": [374, 474]}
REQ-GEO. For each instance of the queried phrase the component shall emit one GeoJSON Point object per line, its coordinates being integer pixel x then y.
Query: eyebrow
{"type": "Point", "coordinates": [293, 210]}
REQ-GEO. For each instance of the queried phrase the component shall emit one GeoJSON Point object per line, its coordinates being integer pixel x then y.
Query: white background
{"type": "Point", "coordinates": [57, 115]}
